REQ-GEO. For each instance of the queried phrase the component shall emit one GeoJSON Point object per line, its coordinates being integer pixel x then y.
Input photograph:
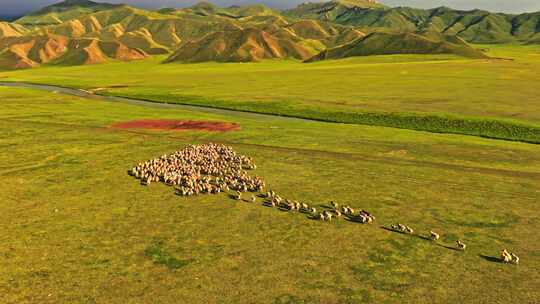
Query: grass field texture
{"type": "Point", "coordinates": [437, 93]}
{"type": "Point", "coordinates": [76, 228]}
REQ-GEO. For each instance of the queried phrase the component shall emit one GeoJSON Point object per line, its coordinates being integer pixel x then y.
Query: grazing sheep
{"type": "Point", "coordinates": [291, 206]}
{"type": "Point", "coordinates": [327, 215]}
{"type": "Point", "coordinates": [200, 169]}
{"type": "Point", "coordinates": [238, 195]}
{"type": "Point", "coordinates": [434, 236]}
{"type": "Point", "coordinates": [409, 230]}
{"type": "Point", "coordinates": [313, 210]}
{"type": "Point", "coordinates": [461, 245]}
{"type": "Point", "coordinates": [515, 258]}
{"type": "Point", "coordinates": [253, 198]}
{"type": "Point", "coordinates": [506, 257]}
{"type": "Point", "coordinates": [334, 205]}
{"type": "Point", "coordinates": [338, 213]}
{"type": "Point", "coordinates": [363, 219]}
{"type": "Point", "coordinates": [321, 217]}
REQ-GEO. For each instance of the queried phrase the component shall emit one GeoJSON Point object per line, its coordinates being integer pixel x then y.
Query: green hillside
{"type": "Point", "coordinates": [206, 32]}
{"type": "Point", "coordinates": [475, 26]}
{"type": "Point", "coordinates": [381, 43]}
{"type": "Point", "coordinates": [64, 11]}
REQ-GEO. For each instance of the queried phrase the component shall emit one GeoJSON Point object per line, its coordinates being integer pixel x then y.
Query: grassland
{"type": "Point", "coordinates": [76, 229]}
{"type": "Point", "coordinates": [438, 93]}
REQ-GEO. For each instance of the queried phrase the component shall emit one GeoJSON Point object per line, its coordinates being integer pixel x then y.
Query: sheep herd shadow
{"type": "Point", "coordinates": [491, 259]}
{"type": "Point", "coordinates": [422, 237]}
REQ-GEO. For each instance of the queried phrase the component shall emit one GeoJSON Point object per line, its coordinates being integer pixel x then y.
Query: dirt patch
{"type": "Point", "coordinates": [178, 125]}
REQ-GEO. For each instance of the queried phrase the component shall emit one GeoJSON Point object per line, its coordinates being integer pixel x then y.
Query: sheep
{"type": "Point", "coordinates": [253, 198]}
{"type": "Point", "coordinates": [327, 215]}
{"type": "Point", "coordinates": [505, 256]}
{"type": "Point", "coordinates": [291, 206]}
{"type": "Point", "coordinates": [238, 195]}
{"type": "Point", "coordinates": [409, 230]}
{"type": "Point", "coordinates": [334, 205]}
{"type": "Point", "coordinates": [200, 168]}
{"type": "Point", "coordinates": [362, 218]}
{"type": "Point", "coordinates": [515, 258]}
{"type": "Point", "coordinates": [434, 236]}
{"type": "Point", "coordinates": [338, 213]}
{"type": "Point", "coordinates": [461, 245]}
{"type": "Point", "coordinates": [313, 210]}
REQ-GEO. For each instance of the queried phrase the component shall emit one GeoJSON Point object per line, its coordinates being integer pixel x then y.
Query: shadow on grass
{"type": "Point", "coordinates": [159, 256]}
{"type": "Point", "coordinates": [424, 238]}
{"type": "Point", "coordinates": [395, 231]}
{"type": "Point", "coordinates": [490, 258]}
{"type": "Point", "coordinates": [233, 197]}
{"type": "Point", "coordinates": [450, 248]}
{"type": "Point", "coordinates": [325, 207]}
{"type": "Point", "coordinates": [353, 219]}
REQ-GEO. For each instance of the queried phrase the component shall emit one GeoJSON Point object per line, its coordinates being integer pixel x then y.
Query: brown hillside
{"type": "Point", "coordinates": [11, 30]}
{"type": "Point", "coordinates": [245, 45]}
{"type": "Point", "coordinates": [32, 51]}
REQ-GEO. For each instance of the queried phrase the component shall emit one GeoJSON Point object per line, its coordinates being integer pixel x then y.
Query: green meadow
{"type": "Point", "coordinates": [75, 228]}
{"type": "Point", "coordinates": [437, 93]}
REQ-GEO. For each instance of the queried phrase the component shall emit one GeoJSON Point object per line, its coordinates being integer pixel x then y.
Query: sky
{"type": "Point", "coordinates": [20, 7]}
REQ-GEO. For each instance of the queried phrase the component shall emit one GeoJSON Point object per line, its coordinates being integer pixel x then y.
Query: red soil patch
{"type": "Point", "coordinates": [177, 125]}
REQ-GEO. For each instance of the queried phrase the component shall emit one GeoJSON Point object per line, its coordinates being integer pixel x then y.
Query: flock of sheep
{"type": "Point", "coordinates": [209, 168]}
{"type": "Point", "coordinates": [214, 168]}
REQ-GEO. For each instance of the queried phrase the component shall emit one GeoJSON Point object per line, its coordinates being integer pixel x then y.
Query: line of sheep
{"type": "Point", "coordinates": [214, 168]}
{"type": "Point", "coordinates": [274, 200]}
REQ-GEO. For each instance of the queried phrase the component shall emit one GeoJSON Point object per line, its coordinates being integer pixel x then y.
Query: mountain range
{"type": "Point", "coordinates": [77, 32]}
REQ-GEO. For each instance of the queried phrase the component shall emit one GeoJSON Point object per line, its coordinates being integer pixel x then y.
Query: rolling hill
{"type": "Point", "coordinates": [206, 32]}
{"type": "Point", "coordinates": [381, 43]}
{"type": "Point", "coordinates": [11, 30]}
{"type": "Point", "coordinates": [63, 11]}
{"type": "Point", "coordinates": [32, 51]}
{"type": "Point", "coordinates": [475, 26]}
{"type": "Point", "coordinates": [245, 45]}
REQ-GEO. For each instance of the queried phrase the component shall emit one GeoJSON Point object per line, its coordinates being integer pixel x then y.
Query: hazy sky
{"type": "Point", "coordinates": [17, 7]}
